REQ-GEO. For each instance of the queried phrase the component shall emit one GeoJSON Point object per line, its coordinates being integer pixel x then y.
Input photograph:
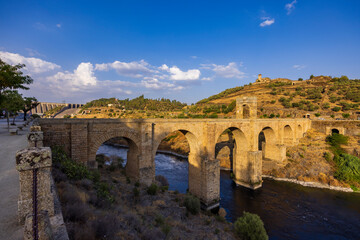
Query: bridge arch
{"type": "Point", "coordinates": [288, 135]}
{"type": "Point", "coordinates": [335, 130]}
{"type": "Point", "coordinates": [194, 158]}
{"type": "Point", "coordinates": [267, 143]}
{"type": "Point", "coordinates": [240, 149]}
{"type": "Point", "coordinates": [299, 131]}
{"type": "Point", "coordinates": [133, 154]}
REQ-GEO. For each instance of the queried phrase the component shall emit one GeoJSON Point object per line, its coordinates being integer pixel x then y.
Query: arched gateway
{"type": "Point", "coordinates": [82, 137]}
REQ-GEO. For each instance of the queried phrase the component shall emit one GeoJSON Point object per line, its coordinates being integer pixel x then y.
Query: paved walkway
{"type": "Point", "coordinates": [9, 182]}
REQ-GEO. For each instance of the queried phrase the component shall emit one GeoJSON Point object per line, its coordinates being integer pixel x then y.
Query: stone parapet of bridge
{"type": "Point", "coordinates": [81, 138]}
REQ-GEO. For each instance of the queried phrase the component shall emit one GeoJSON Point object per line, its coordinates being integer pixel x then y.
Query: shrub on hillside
{"type": "Point", "coordinates": [192, 204]}
{"type": "Point", "coordinates": [336, 109]}
{"type": "Point", "coordinates": [162, 180]}
{"type": "Point", "coordinates": [152, 189]}
{"type": "Point", "coordinates": [348, 168]}
{"type": "Point", "coordinates": [250, 227]}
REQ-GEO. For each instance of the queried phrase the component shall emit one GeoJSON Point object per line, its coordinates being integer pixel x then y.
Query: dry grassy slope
{"type": "Point", "coordinates": [306, 162]}
{"type": "Point", "coordinates": [262, 92]}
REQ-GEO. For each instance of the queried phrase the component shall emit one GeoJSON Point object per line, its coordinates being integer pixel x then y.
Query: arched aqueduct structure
{"type": "Point", "coordinates": [81, 139]}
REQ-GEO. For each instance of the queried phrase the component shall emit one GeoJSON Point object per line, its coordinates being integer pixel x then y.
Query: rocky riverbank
{"type": "Point", "coordinates": [112, 206]}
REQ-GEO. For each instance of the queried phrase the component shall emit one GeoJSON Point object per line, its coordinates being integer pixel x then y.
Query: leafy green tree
{"type": "Point", "coordinates": [11, 77]}
{"type": "Point", "coordinates": [13, 102]}
{"type": "Point", "coordinates": [28, 104]}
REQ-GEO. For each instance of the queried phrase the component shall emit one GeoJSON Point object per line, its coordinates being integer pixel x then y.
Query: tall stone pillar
{"type": "Point", "coordinates": [34, 166]}
{"type": "Point", "coordinates": [210, 183]}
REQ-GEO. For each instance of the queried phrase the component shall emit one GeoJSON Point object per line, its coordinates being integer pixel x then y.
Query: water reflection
{"type": "Point", "coordinates": [289, 211]}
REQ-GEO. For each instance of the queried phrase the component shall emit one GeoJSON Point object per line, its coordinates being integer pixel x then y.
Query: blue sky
{"type": "Point", "coordinates": [77, 51]}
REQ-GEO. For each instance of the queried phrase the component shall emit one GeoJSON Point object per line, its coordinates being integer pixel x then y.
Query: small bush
{"type": "Point", "coordinates": [136, 192]}
{"type": "Point", "coordinates": [76, 212]}
{"type": "Point", "coordinates": [250, 227]}
{"type": "Point", "coordinates": [166, 228]}
{"type": "Point", "coordinates": [336, 109]}
{"type": "Point", "coordinates": [192, 204]}
{"type": "Point", "coordinates": [327, 156]}
{"type": "Point", "coordinates": [159, 220]}
{"type": "Point", "coordinates": [152, 189]}
{"type": "Point", "coordinates": [162, 180]}
{"type": "Point", "coordinates": [346, 115]}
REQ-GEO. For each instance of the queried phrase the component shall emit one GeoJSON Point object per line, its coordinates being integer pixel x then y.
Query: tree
{"type": "Point", "coordinates": [13, 102]}
{"type": "Point", "coordinates": [29, 103]}
{"type": "Point", "coordinates": [11, 77]}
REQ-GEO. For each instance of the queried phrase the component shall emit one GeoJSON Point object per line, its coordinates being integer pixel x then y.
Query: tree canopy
{"type": "Point", "coordinates": [11, 77]}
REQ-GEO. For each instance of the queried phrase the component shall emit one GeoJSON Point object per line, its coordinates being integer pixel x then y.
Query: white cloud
{"type": "Point", "coordinates": [267, 22]}
{"type": "Point", "coordinates": [194, 57]}
{"type": "Point", "coordinates": [129, 69]}
{"type": "Point", "coordinates": [290, 7]}
{"type": "Point", "coordinates": [206, 78]}
{"type": "Point", "coordinates": [299, 67]}
{"type": "Point", "coordinates": [226, 71]}
{"type": "Point", "coordinates": [83, 76]}
{"type": "Point", "coordinates": [177, 75]}
{"type": "Point", "coordinates": [58, 25]}
{"type": "Point", "coordinates": [33, 65]}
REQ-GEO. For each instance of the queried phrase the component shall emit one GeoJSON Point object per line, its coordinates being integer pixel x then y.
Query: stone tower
{"type": "Point", "coordinates": [246, 107]}
{"type": "Point", "coordinates": [259, 78]}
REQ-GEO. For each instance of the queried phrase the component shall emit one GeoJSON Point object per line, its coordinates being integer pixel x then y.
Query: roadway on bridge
{"type": "Point", "coordinates": [9, 182]}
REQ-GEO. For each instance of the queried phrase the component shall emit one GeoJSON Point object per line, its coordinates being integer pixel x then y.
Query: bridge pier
{"type": "Point", "coordinates": [248, 173]}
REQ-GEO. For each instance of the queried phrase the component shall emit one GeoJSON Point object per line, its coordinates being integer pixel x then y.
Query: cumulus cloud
{"type": "Point", "coordinates": [82, 77]}
{"type": "Point", "coordinates": [226, 71]}
{"type": "Point", "coordinates": [290, 7]}
{"type": "Point", "coordinates": [267, 21]}
{"type": "Point", "coordinates": [129, 69]}
{"type": "Point", "coordinates": [33, 65]}
{"type": "Point", "coordinates": [299, 67]}
{"type": "Point", "coordinates": [177, 75]}
{"type": "Point", "coordinates": [58, 25]}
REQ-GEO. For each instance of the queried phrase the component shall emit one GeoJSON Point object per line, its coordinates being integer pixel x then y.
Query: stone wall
{"type": "Point", "coordinates": [346, 127]}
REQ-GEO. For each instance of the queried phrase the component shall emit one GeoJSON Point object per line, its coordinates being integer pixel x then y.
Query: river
{"type": "Point", "coordinates": [289, 211]}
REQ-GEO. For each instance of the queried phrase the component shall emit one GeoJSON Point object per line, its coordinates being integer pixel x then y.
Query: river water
{"type": "Point", "coordinates": [289, 211]}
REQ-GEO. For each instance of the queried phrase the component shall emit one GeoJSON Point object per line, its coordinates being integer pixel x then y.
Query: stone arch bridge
{"type": "Point", "coordinates": [81, 139]}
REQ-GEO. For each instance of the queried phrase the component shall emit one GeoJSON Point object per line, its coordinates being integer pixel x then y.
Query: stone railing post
{"type": "Point", "coordinates": [36, 202]}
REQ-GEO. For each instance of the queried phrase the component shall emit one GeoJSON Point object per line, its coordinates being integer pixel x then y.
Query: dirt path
{"type": "Point", "coordinates": [9, 182]}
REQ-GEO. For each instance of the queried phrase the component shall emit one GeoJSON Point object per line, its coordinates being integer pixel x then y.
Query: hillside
{"type": "Point", "coordinates": [320, 96]}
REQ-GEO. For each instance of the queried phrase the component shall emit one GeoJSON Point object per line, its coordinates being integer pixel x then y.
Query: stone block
{"type": "Point", "coordinates": [35, 139]}
{"type": "Point", "coordinates": [31, 158]}
{"type": "Point", "coordinates": [35, 129]}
